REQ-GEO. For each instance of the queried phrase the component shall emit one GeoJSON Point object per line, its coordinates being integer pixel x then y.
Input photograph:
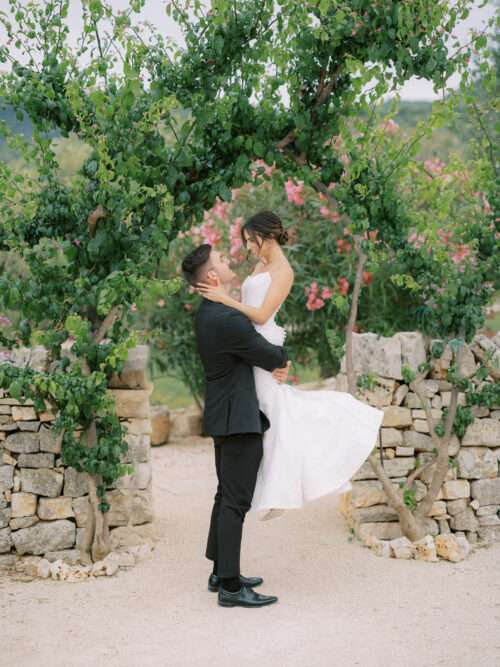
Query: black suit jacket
{"type": "Point", "coordinates": [229, 346]}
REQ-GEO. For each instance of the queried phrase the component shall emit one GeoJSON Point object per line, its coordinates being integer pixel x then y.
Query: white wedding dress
{"type": "Point", "coordinates": [317, 439]}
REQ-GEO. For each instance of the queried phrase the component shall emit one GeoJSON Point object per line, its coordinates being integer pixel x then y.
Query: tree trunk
{"type": "Point", "coordinates": [351, 379]}
{"type": "Point", "coordinates": [96, 542]}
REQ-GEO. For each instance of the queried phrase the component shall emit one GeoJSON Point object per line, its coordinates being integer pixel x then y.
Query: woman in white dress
{"type": "Point", "coordinates": [317, 439]}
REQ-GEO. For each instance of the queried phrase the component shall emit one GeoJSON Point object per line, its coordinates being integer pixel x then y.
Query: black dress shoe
{"type": "Point", "coordinates": [252, 582]}
{"type": "Point", "coordinates": [245, 597]}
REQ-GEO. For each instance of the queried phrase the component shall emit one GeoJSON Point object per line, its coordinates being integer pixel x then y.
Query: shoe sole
{"type": "Point", "coordinates": [247, 606]}
{"type": "Point", "coordinates": [214, 589]}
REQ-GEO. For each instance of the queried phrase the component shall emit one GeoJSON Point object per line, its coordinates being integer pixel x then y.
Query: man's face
{"type": "Point", "coordinates": [220, 264]}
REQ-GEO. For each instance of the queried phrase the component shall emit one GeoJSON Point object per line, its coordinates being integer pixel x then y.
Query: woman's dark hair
{"type": "Point", "coordinates": [195, 262]}
{"type": "Point", "coordinates": [267, 225]}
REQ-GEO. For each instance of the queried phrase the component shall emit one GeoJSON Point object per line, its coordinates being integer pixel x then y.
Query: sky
{"type": "Point", "coordinates": [154, 11]}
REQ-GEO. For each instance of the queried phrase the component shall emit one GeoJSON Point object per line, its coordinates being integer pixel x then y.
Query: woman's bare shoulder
{"type": "Point", "coordinates": [283, 274]}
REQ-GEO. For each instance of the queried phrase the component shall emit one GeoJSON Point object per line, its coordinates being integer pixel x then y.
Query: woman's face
{"type": "Point", "coordinates": [253, 244]}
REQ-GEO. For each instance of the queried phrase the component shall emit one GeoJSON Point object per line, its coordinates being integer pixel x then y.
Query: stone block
{"type": "Point", "coordinates": [425, 549]}
{"type": "Point", "coordinates": [421, 426]}
{"type": "Point", "coordinates": [420, 441]}
{"type": "Point", "coordinates": [132, 402]}
{"type": "Point", "coordinates": [405, 451]}
{"type": "Point", "coordinates": [367, 493]}
{"type": "Point", "coordinates": [138, 426]}
{"type": "Point", "coordinates": [130, 506]}
{"type": "Point", "coordinates": [80, 510]}
{"type": "Point", "coordinates": [486, 491]}
{"type": "Point", "coordinates": [421, 414]}
{"type": "Point", "coordinates": [459, 488]}
{"type": "Point", "coordinates": [6, 477]}
{"type": "Point", "coordinates": [477, 463]}
{"type": "Point", "coordinates": [23, 443]}
{"type": "Point", "coordinates": [23, 504]}
{"type": "Point", "coordinates": [376, 354]}
{"type": "Point", "coordinates": [394, 468]}
{"type": "Point", "coordinates": [39, 460]}
{"type": "Point", "coordinates": [23, 413]}
{"type": "Point", "coordinates": [397, 416]}
{"type": "Point", "coordinates": [451, 547]}
{"type": "Point", "coordinates": [42, 481]}
{"type": "Point", "coordinates": [400, 394]}
{"type": "Point", "coordinates": [486, 534]}
{"type": "Point", "coordinates": [382, 530]}
{"type": "Point", "coordinates": [412, 401]}
{"type": "Point", "coordinates": [139, 447]}
{"type": "Point", "coordinates": [465, 520]}
{"type": "Point", "coordinates": [482, 432]}
{"type": "Point", "coordinates": [401, 547]}
{"type": "Point", "coordinates": [45, 536]}
{"type": "Point", "coordinates": [29, 426]}
{"type": "Point", "coordinates": [75, 483]}
{"type": "Point", "coordinates": [5, 515]}
{"type": "Point", "coordinates": [160, 425]}
{"type": "Point", "coordinates": [5, 540]}
{"type": "Point", "coordinates": [456, 506]}
{"type": "Point", "coordinates": [49, 441]}
{"type": "Point", "coordinates": [133, 374]}
{"type": "Point", "coordinates": [23, 522]}
{"type": "Point", "coordinates": [391, 437]}
{"type": "Point", "coordinates": [50, 509]}
{"type": "Point", "coordinates": [374, 513]}
{"type": "Point", "coordinates": [139, 479]}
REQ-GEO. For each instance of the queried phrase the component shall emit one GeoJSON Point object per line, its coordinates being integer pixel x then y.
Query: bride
{"type": "Point", "coordinates": [317, 439]}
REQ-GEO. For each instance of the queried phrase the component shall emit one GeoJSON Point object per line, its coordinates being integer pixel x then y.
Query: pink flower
{"type": "Point", "coordinates": [435, 167]}
{"type": "Point", "coordinates": [210, 234]}
{"type": "Point", "coordinates": [235, 236]}
{"type": "Point", "coordinates": [390, 126]}
{"type": "Point", "coordinates": [77, 242]}
{"type": "Point", "coordinates": [343, 286]}
{"type": "Point", "coordinates": [461, 253]}
{"type": "Point", "coordinates": [268, 170]}
{"type": "Point", "coordinates": [4, 321]}
{"type": "Point", "coordinates": [325, 212]}
{"type": "Point", "coordinates": [367, 278]}
{"type": "Point", "coordinates": [133, 308]}
{"type": "Point", "coordinates": [294, 191]}
{"type": "Point", "coordinates": [313, 303]}
{"type": "Point", "coordinates": [326, 293]}
{"type": "Point", "coordinates": [160, 302]}
{"type": "Point", "coordinates": [335, 216]}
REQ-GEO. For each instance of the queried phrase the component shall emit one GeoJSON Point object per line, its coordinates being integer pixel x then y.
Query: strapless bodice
{"type": "Point", "coordinates": [253, 293]}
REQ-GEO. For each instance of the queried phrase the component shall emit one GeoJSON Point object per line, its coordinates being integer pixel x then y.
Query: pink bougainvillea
{"type": "Point", "coordinates": [294, 191]}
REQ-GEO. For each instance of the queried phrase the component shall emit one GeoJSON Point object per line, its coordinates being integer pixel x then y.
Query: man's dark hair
{"type": "Point", "coordinates": [193, 263]}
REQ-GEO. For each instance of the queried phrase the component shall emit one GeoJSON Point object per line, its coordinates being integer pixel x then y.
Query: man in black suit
{"type": "Point", "coordinates": [229, 346]}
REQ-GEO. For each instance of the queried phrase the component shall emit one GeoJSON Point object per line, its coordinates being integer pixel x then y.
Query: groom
{"type": "Point", "coordinates": [229, 346]}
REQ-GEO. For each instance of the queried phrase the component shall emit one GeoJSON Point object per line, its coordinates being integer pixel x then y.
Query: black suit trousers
{"type": "Point", "coordinates": [237, 460]}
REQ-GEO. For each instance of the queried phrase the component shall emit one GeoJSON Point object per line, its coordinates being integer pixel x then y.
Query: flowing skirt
{"type": "Point", "coordinates": [316, 442]}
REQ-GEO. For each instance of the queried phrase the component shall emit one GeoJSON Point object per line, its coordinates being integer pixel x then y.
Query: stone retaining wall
{"type": "Point", "coordinates": [43, 504]}
{"type": "Point", "coordinates": [468, 503]}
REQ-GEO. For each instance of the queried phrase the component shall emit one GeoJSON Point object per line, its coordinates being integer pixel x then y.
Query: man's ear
{"type": "Point", "coordinates": [212, 276]}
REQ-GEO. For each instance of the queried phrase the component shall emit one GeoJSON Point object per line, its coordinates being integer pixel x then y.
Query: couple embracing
{"type": "Point", "coordinates": [276, 447]}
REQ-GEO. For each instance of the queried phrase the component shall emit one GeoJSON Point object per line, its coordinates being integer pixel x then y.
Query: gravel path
{"type": "Point", "coordinates": [340, 605]}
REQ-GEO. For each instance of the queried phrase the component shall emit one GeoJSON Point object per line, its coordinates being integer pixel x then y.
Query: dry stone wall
{"type": "Point", "coordinates": [468, 503]}
{"type": "Point", "coordinates": [43, 504]}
